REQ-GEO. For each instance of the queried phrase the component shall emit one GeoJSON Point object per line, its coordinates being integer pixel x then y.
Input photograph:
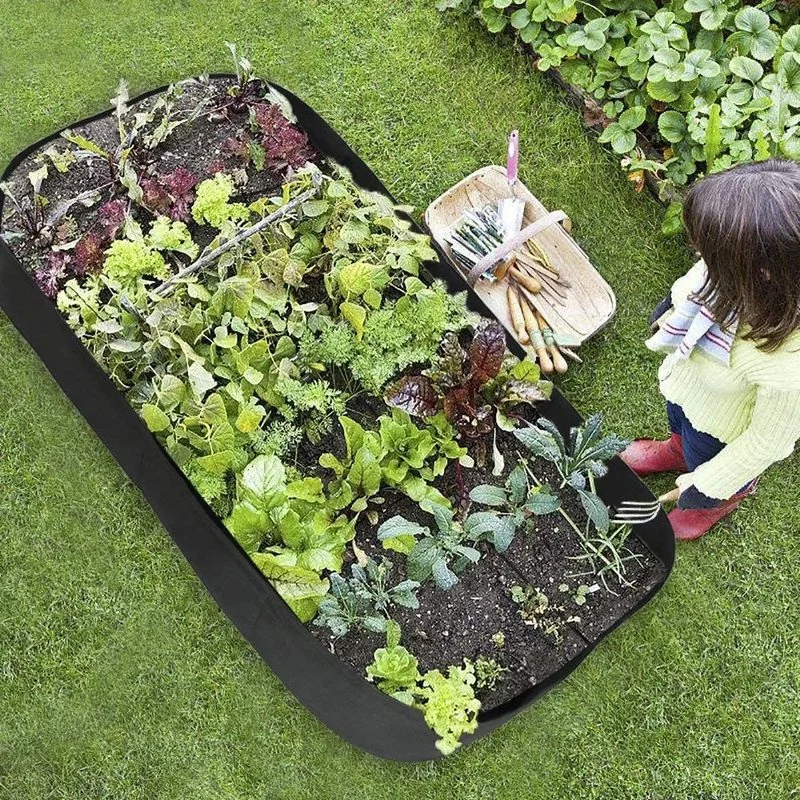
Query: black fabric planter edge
{"type": "Point", "coordinates": [338, 696]}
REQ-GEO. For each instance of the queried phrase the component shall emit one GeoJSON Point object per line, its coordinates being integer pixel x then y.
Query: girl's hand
{"type": "Point", "coordinates": [689, 497]}
{"type": "Point", "coordinates": [683, 482]}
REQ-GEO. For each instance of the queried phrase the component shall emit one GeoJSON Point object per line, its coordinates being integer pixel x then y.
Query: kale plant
{"type": "Point", "coordinates": [365, 599]}
{"type": "Point", "coordinates": [441, 554]}
{"type": "Point", "coordinates": [514, 504]}
{"type": "Point", "coordinates": [578, 461]}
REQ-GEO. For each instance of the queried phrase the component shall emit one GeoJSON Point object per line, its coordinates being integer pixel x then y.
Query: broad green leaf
{"type": "Point", "coordinates": [249, 418]}
{"type": "Point", "coordinates": [155, 419]}
{"type": "Point", "coordinates": [315, 208]}
{"type": "Point", "coordinates": [632, 118]}
{"type": "Point", "coordinates": [356, 315]}
{"type": "Point", "coordinates": [421, 560]}
{"type": "Point", "coordinates": [302, 589]}
{"type": "Point", "coordinates": [442, 575]}
{"type": "Point", "coordinates": [248, 526]}
{"type": "Point", "coordinates": [489, 495]}
{"type": "Point", "coordinates": [354, 231]}
{"type": "Point", "coordinates": [672, 126]}
{"type": "Point", "coordinates": [542, 502]}
{"type": "Point", "coordinates": [353, 436]}
{"type": "Point", "coordinates": [520, 18]}
{"type": "Point", "coordinates": [746, 68]}
{"type": "Point", "coordinates": [755, 36]}
{"type": "Point", "coordinates": [517, 484]}
{"type": "Point", "coordinates": [200, 379]}
{"type": "Point", "coordinates": [596, 509]}
{"type": "Point", "coordinates": [171, 392]}
{"type": "Point", "coordinates": [262, 483]}
{"type": "Point", "coordinates": [365, 474]}
{"type": "Point", "coordinates": [308, 489]}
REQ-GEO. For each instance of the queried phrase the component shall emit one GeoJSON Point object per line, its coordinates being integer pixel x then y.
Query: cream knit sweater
{"type": "Point", "coordinates": [752, 405]}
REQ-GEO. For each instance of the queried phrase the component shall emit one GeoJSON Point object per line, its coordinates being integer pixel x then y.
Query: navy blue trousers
{"type": "Point", "coordinates": [698, 447]}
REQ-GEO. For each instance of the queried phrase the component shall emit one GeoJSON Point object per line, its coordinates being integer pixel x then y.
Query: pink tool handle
{"type": "Point", "coordinates": [512, 160]}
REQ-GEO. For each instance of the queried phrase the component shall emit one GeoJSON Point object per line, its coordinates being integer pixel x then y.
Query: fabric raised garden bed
{"type": "Point", "coordinates": [365, 480]}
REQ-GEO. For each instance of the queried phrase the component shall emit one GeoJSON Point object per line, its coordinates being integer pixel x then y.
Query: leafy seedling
{"type": "Point", "coordinates": [537, 611]}
{"type": "Point", "coordinates": [442, 554]}
{"type": "Point", "coordinates": [488, 672]}
{"type": "Point", "coordinates": [365, 599]}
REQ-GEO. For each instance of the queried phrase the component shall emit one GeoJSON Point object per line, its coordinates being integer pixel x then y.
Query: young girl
{"type": "Point", "coordinates": [732, 376]}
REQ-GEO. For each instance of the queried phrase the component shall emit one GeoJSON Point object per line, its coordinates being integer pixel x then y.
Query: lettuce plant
{"type": "Point", "coordinates": [212, 204]}
{"type": "Point", "coordinates": [447, 701]}
{"type": "Point", "coordinates": [398, 454]}
{"type": "Point", "coordinates": [292, 523]}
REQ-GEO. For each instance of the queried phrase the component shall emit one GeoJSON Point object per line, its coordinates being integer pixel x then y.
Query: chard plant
{"type": "Point", "coordinates": [469, 386]}
{"type": "Point", "coordinates": [365, 599]}
{"type": "Point", "coordinates": [290, 531]}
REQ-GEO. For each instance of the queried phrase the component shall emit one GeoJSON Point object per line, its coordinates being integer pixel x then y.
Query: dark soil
{"type": "Point", "coordinates": [477, 618]}
{"type": "Point", "coordinates": [451, 626]}
{"type": "Point", "coordinates": [197, 146]}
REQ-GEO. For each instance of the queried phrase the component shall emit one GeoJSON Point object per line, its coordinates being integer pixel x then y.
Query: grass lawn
{"type": "Point", "coordinates": [120, 678]}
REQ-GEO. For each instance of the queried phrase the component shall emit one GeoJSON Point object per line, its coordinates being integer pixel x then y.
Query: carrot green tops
{"type": "Point", "coordinates": [752, 405]}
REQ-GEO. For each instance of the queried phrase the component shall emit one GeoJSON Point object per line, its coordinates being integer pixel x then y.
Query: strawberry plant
{"type": "Point", "coordinates": [662, 68]}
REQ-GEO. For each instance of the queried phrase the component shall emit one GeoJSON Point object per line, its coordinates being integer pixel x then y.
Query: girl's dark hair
{"type": "Point", "coordinates": [745, 223]}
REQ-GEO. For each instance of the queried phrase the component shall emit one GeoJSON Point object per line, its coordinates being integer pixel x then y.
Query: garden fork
{"type": "Point", "coordinates": [637, 512]}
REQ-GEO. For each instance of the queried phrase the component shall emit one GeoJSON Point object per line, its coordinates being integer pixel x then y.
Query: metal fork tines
{"type": "Point", "coordinates": [639, 512]}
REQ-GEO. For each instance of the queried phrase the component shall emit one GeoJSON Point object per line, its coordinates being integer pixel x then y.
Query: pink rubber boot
{"type": "Point", "coordinates": [692, 523]}
{"type": "Point", "coordinates": [647, 457]}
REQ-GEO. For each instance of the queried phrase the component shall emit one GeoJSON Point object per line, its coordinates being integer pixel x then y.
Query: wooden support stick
{"type": "Point", "coordinates": [213, 255]}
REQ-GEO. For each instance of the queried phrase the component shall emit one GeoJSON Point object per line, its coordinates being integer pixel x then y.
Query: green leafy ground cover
{"type": "Point", "coordinates": [711, 83]}
{"type": "Point", "coordinates": [118, 676]}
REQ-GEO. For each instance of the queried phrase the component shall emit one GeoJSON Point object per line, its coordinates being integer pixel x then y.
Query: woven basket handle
{"type": "Point", "coordinates": [499, 253]}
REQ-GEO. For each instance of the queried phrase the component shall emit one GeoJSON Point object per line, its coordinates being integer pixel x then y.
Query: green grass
{"type": "Point", "coordinates": [120, 678]}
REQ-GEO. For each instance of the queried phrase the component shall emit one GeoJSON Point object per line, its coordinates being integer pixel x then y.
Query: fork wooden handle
{"type": "Point", "coordinates": [669, 497]}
